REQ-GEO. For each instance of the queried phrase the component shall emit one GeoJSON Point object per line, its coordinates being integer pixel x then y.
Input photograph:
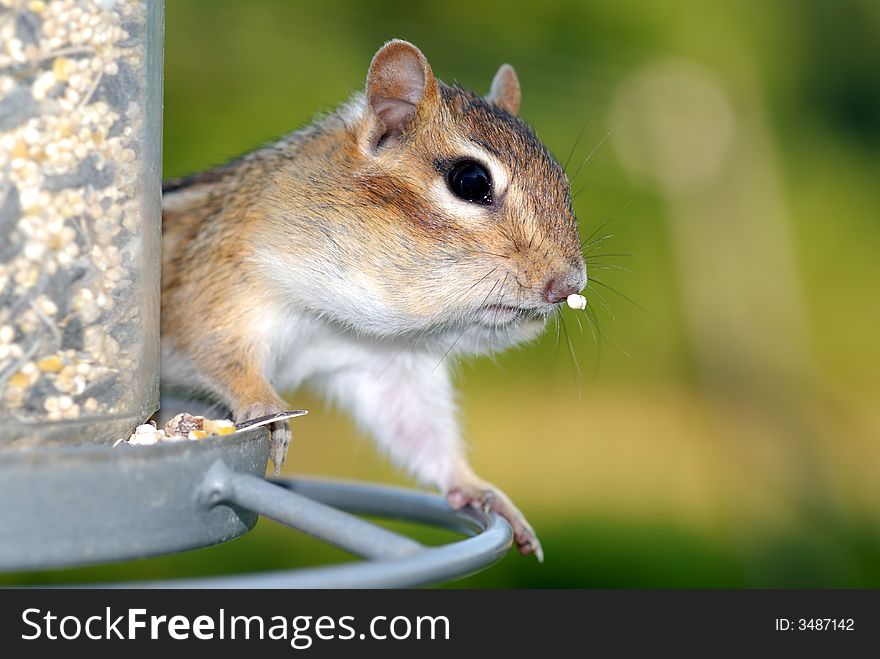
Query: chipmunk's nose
{"type": "Point", "coordinates": [559, 287]}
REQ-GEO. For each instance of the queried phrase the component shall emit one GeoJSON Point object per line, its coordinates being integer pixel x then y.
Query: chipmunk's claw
{"type": "Point", "coordinates": [485, 497]}
{"type": "Point", "coordinates": [532, 546]}
{"type": "Point", "coordinates": [280, 438]}
{"type": "Point", "coordinates": [279, 431]}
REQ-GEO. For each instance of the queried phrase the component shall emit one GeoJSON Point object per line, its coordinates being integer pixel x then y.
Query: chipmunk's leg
{"type": "Point", "coordinates": [222, 348]}
{"type": "Point", "coordinates": [406, 403]}
{"type": "Point", "coordinates": [255, 397]}
{"type": "Point", "coordinates": [235, 375]}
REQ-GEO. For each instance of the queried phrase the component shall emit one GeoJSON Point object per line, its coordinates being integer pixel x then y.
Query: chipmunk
{"type": "Point", "coordinates": [360, 255]}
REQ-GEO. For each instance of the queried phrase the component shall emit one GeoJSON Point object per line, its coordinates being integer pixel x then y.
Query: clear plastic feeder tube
{"type": "Point", "coordinates": [80, 213]}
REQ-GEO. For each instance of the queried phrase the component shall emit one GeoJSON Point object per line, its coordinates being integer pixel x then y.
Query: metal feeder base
{"type": "Point", "coordinates": [73, 506]}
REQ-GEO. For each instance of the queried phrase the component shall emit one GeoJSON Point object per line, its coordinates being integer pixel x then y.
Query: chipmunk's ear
{"type": "Point", "coordinates": [400, 86]}
{"type": "Point", "coordinates": [505, 92]}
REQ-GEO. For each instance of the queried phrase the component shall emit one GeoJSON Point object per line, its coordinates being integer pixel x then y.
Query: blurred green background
{"type": "Point", "coordinates": [727, 435]}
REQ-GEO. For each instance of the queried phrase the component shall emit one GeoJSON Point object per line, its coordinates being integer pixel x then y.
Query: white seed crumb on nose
{"type": "Point", "coordinates": [576, 301]}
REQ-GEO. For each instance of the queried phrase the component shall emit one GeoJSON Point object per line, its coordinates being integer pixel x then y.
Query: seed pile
{"type": "Point", "coordinates": [182, 427]}
{"type": "Point", "coordinates": [71, 130]}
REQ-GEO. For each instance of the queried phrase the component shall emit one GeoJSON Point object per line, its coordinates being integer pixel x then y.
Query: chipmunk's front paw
{"type": "Point", "coordinates": [279, 432]}
{"type": "Point", "coordinates": [486, 497]}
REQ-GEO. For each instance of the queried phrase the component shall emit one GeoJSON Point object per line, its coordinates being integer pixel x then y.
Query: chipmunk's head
{"type": "Point", "coordinates": [463, 220]}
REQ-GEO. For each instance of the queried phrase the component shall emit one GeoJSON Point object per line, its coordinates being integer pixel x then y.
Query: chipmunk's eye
{"type": "Point", "coordinates": [470, 181]}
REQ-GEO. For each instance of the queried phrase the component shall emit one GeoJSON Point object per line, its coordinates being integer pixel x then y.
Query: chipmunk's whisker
{"type": "Point", "coordinates": [625, 297]}
{"type": "Point", "coordinates": [557, 317]}
{"type": "Point", "coordinates": [581, 190]}
{"type": "Point", "coordinates": [592, 318]}
{"type": "Point", "coordinates": [576, 142]}
{"type": "Point", "coordinates": [605, 255]}
{"type": "Point", "coordinates": [465, 326]}
{"type": "Point", "coordinates": [580, 325]}
{"type": "Point", "coordinates": [590, 156]}
{"type": "Point", "coordinates": [577, 366]}
{"type": "Point", "coordinates": [597, 241]}
{"type": "Point", "coordinates": [602, 301]}
{"type": "Point", "coordinates": [610, 266]}
{"type": "Point", "coordinates": [500, 294]}
{"type": "Point", "coordinates": [590, 315]}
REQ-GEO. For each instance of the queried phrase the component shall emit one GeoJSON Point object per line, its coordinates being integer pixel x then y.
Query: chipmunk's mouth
{"type": "Point", "coordinates": [503, 314]}
{"type": "Point", "coordinates": [503, 308]}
